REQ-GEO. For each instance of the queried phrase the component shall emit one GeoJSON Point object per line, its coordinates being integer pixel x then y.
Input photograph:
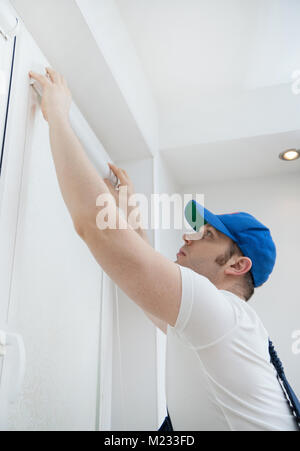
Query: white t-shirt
{"type": "Point", "coordinates": [218, 371]}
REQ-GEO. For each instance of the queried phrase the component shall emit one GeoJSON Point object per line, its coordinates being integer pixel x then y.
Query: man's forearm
{"type": "Point", "coordinates": [142, 232]}
{"type": "Point", "coordinates": [79, 181]}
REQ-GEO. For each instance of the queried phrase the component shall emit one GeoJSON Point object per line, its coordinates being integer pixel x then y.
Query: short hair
{"type": "Point", "coordinates": [247, 281]}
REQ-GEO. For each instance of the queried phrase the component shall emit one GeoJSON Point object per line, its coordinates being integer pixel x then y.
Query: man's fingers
{"type": "Point", "coordinates": [55, 77]}
{"type": "Point", "coordinates": [120, 173]}
{"type": "Point", "coordinates": [108, 182]}
{"type": "Point", "coordinates": [40, 78]}
{"type": "Point", "coordinates": [64, 82]}
{"type": "Point", "coordinates": [115, 170]}
{"type": "Point", "coordinates": [110, 187]}
{"type": "Point", "coordinates": [52, 76]}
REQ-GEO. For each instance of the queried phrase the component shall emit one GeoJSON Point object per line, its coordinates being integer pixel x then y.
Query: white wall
{"type": "Point", "coordinates": [134, 384]}
{"type": "Point", "coordinates": [275, 201]}
{"type": "Point", "coordinates": [167, 242]}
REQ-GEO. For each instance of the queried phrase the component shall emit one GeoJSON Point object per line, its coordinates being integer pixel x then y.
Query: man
{"type": "Point", "coordinates": [219, 375]}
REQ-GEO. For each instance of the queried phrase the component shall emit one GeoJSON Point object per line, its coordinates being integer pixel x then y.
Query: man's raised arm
{"type": "Point", "coordinates": [147, 277]}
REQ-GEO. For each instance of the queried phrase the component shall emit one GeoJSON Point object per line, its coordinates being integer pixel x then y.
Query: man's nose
{"type": "Point", "coordinates": [190, 237]}
{"type": "Point", "coordinates": [186, 239]}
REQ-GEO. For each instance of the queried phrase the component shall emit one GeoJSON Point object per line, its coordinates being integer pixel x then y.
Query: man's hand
{"type": "Point", "coordinates": [124, 181]}
{"type": "Point", "coordinates": [57, 98]}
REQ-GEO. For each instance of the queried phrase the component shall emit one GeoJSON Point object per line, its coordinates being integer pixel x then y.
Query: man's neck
{"type": "Point", "coordinates": [237, 294]}
{"type": "Point", "coordinates": [236, 289]}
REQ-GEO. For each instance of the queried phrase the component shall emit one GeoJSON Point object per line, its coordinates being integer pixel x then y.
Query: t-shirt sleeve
{"type": "Point", "coordinates": [206, 314]}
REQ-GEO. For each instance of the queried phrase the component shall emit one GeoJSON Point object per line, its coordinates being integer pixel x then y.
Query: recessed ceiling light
{"type": "Point", "coordinates": [290, 155]}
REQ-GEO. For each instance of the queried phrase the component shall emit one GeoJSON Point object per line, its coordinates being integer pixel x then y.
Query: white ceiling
{"type": "Point", "coordinates": [190, 47]}
{"type": "Point", "coordinates": [221, 74]}
{"type": "Point", "coordinates": [87, 41]}
{"type": "Point", "coordinates": [233, 159]}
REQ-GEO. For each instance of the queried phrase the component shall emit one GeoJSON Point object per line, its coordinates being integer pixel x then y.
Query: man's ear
{"type": "Point", "coordinates": [241, 266]}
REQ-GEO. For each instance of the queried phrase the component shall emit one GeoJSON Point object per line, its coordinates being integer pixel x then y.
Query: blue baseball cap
{"type": "Point", "coordinates": [252, 237]}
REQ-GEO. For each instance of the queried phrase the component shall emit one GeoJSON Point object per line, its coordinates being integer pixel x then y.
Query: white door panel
{"type": "Point", "coordinates": [6, 225]}
{"type": "Point", "coordinates": [6, 53]}
{"type": "Point", "coordinates": [52, 294]}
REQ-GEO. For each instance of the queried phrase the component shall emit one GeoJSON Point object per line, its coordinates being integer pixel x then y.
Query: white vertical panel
{"type": "Point", "coordinates": [167, 242]}
{"type": "Point", "coordinates": [52, 286]}
{"type": "Point", "coordinates": [134, 395]}
{"type": "Point", "coordinates": [106, 355]}
{"type": "Point", "coordinates": [6, 51]}
{"type": "Point", "coordinates": [6, 229]}
{"type": "Point", "coordinates": [6, 225]}
{"type": "Point", "coordinates": [55, 291]}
